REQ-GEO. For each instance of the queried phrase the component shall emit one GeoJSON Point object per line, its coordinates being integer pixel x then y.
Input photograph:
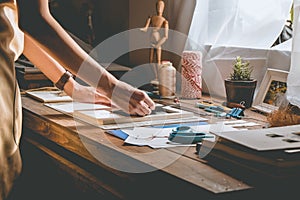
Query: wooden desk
{"type": "Point", "coordinates": [56, 136]}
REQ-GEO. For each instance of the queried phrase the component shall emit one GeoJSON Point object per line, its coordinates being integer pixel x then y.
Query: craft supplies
{"type": "Point", "coordinates": [191, 63]}
{"type": "Point", "coordinates": [186, 135]}
{"type": "Point", "coordinates": [217, 109]}
{"type": "Point", "coordinates": [237, 113]}
{"type": "Point", "coordinates": [167, 80]}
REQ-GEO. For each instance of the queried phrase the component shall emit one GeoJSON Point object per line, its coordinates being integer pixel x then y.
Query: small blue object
{"type": "Point", "coordinates": [201, 105]}
{"type": "Point", "coordinates": [236, 113]}
{"type": "Point", "coordinates": [217, 108]}
{"type": "Point", "coordinates": [186, 135]}
{"type": "Point", "coordinates": [118, 133]}
{"type": "Point", "coordinates": [214, 109]}
{"type": "Point", "coordinates": [221, 114]}
{"type": "Point", "coordinates": [153, 95]}
{"type": "Point", "coordinates": [211, 110]}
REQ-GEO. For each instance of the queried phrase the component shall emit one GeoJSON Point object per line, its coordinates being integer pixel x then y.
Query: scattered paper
{"type": "Point", "coordinates": [157, 137]}
{"type": "Point", "coordinates": [70, 107]}
{"type": "Point", "coordinates": [153, 123]}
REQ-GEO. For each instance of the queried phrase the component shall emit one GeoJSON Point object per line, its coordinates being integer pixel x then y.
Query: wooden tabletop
{"type": "Point", "coordinates": [95, 145]}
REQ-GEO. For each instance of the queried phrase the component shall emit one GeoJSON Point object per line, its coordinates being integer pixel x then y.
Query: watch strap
{"type": "Point", "coordinates": [63, 80]}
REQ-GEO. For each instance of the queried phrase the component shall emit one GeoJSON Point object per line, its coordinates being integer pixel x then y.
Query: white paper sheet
{"type": "Point", "coordinates": [70, 107]}
{"type": "Point", "coordinates": [153, 123]}
{"type": "Point", "coordinates": [286, 137]}
{"type": "Point", "coordinates": [158, 137]}
{"type": "Point", "coordinates": [49, 96]}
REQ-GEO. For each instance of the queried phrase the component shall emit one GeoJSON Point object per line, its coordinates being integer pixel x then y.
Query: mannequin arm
{"type": "Point", "coordinates": [165, 36]}
{"type": "Point", "coordinates": [146, 25]}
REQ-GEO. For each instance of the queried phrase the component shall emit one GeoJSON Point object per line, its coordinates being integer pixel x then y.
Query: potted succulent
{"type": "Point", "coordinates": [240, 86]}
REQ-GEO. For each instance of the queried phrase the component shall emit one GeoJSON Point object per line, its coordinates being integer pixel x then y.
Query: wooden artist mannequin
{"type": "Point", "coordinates": [157, 22]}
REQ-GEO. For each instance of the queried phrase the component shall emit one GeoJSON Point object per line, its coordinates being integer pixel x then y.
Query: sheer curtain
{"type": "Point", "coordinates": [242, 23]}
{"type": "Point", "coordinates": [293, 82]}
{"type": "Point", "coordinates": [224, 29]}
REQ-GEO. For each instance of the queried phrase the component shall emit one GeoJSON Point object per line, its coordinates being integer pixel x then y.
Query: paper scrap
{"type": "Point", "coordinates": [70, 107]}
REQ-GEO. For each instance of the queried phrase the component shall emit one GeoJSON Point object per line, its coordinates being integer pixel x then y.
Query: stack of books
{"type": "Point", "coordinates": [30, 77]}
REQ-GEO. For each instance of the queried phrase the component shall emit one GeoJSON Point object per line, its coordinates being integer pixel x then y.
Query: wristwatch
{"type": "Point", "coordinates": [63, 80]}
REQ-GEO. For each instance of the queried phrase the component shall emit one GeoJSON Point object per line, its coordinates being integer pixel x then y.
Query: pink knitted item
{"type": "Point", "coordinates": [191, 85]}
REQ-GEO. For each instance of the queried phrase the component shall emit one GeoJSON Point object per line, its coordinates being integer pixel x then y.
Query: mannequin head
{"type": "Point", "coordinates": [160, 6]}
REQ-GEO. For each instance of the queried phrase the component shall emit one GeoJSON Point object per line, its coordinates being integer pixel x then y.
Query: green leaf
{"type": "Point", "coordinates": [241, 70]}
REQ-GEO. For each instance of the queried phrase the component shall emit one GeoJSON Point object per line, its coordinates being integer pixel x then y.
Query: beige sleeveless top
{"type": "Point", "coordinates": [11, 46]}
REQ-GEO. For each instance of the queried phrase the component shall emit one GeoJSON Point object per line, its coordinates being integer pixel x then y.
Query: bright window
{"type": "Point", "coordinates": [241, 23]}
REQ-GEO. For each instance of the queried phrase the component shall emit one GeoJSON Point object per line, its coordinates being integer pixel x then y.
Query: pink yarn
{"type": "Point", "coordinates": [191, 85]}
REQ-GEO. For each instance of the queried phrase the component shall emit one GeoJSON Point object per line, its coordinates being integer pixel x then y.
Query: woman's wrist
{"type": "Point", "coordinates": [60, 84]}
{"type": "Point", "coordinates": [108, 86]}
{"type": "Point", "coordinates": [70, 87]}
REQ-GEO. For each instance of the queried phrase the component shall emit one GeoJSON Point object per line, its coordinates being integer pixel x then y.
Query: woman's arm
{"type": "Point", "coordinates": [54, 71]}
{"type": "Point", "coordinates": [36, 21]}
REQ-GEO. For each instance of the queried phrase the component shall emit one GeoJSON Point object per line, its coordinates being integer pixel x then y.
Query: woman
{"type": "Point", "coordinates": [26, 26]}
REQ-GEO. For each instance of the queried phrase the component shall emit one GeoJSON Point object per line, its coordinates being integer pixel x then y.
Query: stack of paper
{"type": "Point", "coordinates": [49, 96]}
{"type": "Point", "coordinates": [70, 107]}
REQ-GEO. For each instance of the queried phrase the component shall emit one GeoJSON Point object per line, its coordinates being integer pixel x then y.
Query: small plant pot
{"type": "Point", "coordinates": [240, 91]}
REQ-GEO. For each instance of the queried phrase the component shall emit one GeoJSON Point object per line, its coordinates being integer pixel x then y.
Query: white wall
{"type": "Point", "coordinates": [217, 65]}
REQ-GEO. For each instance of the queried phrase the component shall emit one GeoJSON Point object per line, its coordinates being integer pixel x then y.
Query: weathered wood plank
{"type": "Point", "coordinates": [61, 129]}
{"type": "Point", "coordinates": [87, 180]}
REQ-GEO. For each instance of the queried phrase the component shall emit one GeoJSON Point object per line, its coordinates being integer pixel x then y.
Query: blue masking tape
{"type": "Point", "coordinates": [186, 135]}
{"type": "Point", "coordinates": [121, 134]}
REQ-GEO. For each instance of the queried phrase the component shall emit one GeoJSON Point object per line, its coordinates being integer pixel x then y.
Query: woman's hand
{"type": "Point", "coordinates": [132, 100]}
{"type": "Point", "coordinates": [129, 99]}
{"type": "Point", "coordinates": [85, 94]}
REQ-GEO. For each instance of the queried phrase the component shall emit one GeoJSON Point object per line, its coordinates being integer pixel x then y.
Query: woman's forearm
{"type": "Point", "coordinates": [53, 70]}
{"type": "Point", "coordinates": [50, 36]}
{"type": "Point", "coordinates": [38, 24]}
